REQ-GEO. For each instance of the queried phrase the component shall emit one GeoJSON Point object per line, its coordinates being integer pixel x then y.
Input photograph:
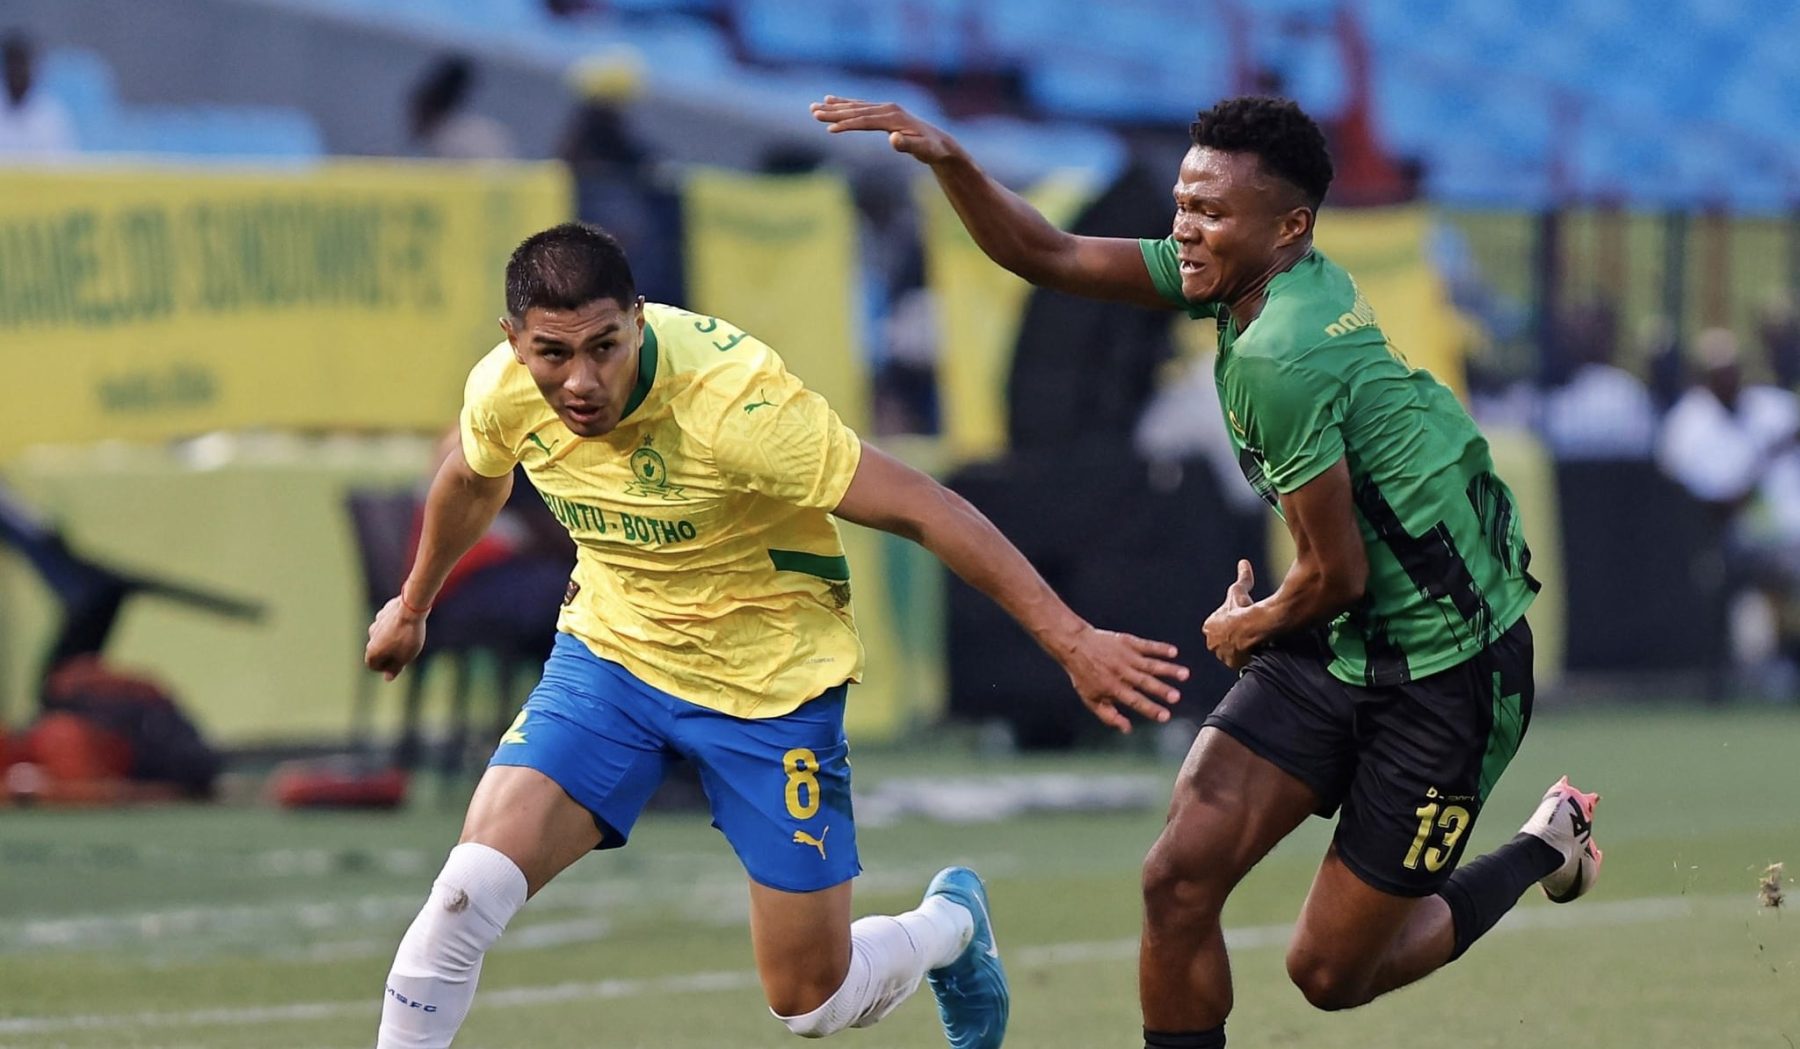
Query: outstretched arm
{"type": "Point", "coordinates": [1110, 670]}
{"type": "Point", "coordinates": [1011, 231]}
{"type": "Point", "coordinates": [459, 509]}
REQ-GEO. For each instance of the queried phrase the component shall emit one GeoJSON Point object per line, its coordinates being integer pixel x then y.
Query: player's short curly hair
{"type": "Point", "coordinates": [566, 267]}
{"type": "Point", "coordinates": [1283, 137]}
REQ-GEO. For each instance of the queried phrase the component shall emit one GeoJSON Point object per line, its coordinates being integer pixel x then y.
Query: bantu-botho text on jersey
{"type": "Point", "coordinates": [708, 563]}
{"type": "Point", "coordinates": [1313, 380]}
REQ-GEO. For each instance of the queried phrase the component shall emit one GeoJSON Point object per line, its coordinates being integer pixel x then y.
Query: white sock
{"type": "Point", "coordinates": [888, 959]}
{"type": "Point", "coordinates": [941, 928]}
{"type": "Point", "coordinates": [439, 961]}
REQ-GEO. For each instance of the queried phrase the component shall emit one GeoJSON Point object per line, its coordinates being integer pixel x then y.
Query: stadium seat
{"type": "Point", "coordinates": [1470, 87]}
{"type": "Point", "coordinates": [84, 83]}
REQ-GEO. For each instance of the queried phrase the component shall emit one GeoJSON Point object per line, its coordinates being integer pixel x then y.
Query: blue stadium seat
{"type": "Point", "coordinates": [1037, 148]}
{"type": "Point", "coordinates": [1469, 86]}
{"type": "Point", "coordinates": [84, 84]}
{"type": "Point", "coordinates": [699, 7]}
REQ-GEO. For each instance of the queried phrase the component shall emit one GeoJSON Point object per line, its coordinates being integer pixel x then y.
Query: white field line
{"type": "Point", "coordinates": [1257, 937]}
{"type": "Point", "coordinates": [716, 900]}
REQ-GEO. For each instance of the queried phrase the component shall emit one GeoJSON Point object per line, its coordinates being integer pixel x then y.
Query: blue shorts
{"type": "Point", "coordinates": [779, 787]}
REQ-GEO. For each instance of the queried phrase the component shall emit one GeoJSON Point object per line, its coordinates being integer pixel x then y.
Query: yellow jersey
{"type": "Point", "coordinates": [708, 563]}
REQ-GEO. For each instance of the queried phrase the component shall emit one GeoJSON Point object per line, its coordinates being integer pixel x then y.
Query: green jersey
{"type": "Point", "coordinates": [1313, 380]}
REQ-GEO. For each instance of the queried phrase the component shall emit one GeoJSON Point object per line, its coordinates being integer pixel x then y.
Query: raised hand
{"type": "Point", "coordinates": [906, 133]}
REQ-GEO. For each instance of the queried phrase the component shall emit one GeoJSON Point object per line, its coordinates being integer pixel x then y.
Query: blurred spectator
{"type": "Point", "coordinates": [441, 127]}
{"type": "Point", "coordinates": [1603, 411]}
{"type": "Point", "coordinates": [790, 157]}
{"type": "Point", "coordinates": [618, 185]}
{"type": "Point", "coordinates": [896, 306]}
{"type": "Point", "coordinates": [1499, 401]}
{"type": "Point", "coordinates": [906, 393]}
{"type": "Point", "coordinates": [1183, 420]}
{"type": "Point", "coordinates": [1778, 325]}
{"type": "Point", "coordinates": [32, 124]}
{"type": "Point", "coordinates": [1734, 447]}
{"type": "Point", "coordinates": [599, 139]}
{"type": "Point", "coordinates": [1660, 348]}
{"type": "Point", "coordinates": [1721, 437]}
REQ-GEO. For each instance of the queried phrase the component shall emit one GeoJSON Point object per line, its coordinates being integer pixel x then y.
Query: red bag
{"type": "Point", "coordinates": [69, 747]}
{"type": "Point", "coordinates": [150, 737]}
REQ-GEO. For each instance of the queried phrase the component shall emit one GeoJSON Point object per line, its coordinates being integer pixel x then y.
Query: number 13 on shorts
{"type": "Point", "coordinates": [1445, 822]}
{"type": "Point", "coordinates": [802, 768]}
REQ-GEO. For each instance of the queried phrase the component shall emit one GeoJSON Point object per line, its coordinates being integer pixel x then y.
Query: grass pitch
{"type": "Point", "coordinates": [244, 927]}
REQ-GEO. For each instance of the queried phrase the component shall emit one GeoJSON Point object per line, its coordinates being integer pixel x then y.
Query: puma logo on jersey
{"type": "Point", "coordinates": [803, 838]}
{"type": "Point", "coordinates": [764, 403]}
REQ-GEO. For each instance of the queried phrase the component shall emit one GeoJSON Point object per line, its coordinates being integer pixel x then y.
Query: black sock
{"type": "Point", "coordinates": [1483, 890]}
{"type": "Point", "coordinates": [1211, 1038]}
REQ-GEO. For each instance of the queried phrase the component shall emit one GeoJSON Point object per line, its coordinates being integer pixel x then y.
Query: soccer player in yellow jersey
{"type": "Point", "coordinates": [709, 618]}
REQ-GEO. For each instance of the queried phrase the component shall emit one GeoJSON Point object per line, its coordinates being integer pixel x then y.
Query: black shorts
{"type": "Point", "coordinates": [1408, 764]}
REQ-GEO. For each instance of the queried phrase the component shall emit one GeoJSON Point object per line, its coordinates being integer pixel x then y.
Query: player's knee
{"type": "Point", "coordinates": [806, 1002]}
{"type": "Point", "coordinates": [1327, 983]}
{"type": "Point", "coordinates": [795, 1004]}
{"type": "Point", "coordinates": [807, 1012]}
{"type": "Point", "coordinates": [1176, 887]}
{"type": "Point", "coordinates": [815, 1023]}
{"type": "Point", "coordinates": [471, 902]}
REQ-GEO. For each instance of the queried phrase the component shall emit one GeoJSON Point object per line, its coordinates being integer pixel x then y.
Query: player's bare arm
{"type": "Point", "coordinates": [1110, 670]}
{"type": "Point", "coordinates": [1011, 231]}
{"type": "Point", "coordinates": [458, 510]}
{"type": "Point", "coordinates": [1330, 571]}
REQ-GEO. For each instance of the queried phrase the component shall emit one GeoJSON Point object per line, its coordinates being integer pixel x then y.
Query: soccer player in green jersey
{"type": "Point", "coordinates": [1388, 677]}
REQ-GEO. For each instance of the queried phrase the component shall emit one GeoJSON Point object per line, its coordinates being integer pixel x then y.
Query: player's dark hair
{"type": "Point", "coordinates": [1283, 137]}
{"type": "Point", "coordinates": [567, 267]}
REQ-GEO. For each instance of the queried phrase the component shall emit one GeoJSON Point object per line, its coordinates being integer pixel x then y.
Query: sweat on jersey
{"type": "Point", "coordinates": [707, 563]}
{"type": "Point", "coordinates": [1313, 380]}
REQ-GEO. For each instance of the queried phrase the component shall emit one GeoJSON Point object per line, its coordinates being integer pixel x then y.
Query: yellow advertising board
{"type": "Point", "coordinates": [1384, 249]}
{"type": "Point", "coordinates": [776, 256]}
{"type": "Point", "coordinates": [980, 307]}
{"type": "Point", "coordinates": [151, 302]}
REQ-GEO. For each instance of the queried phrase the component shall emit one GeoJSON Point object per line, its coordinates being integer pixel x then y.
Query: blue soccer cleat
{"type": "Point", "coordinates": [973, 1001]}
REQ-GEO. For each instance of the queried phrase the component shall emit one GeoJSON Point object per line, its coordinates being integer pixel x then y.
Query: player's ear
{"type": "Point", "coordinates": [1296, 225]}
{"type": "Point", "coordinates": [511, 328]}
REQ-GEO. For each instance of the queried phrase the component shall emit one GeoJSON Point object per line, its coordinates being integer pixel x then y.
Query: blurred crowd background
{"type": "Point", "coordinates": [249, 249]}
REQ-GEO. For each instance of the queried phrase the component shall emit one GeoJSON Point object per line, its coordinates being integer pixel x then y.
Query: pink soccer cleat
{"type": "Point", "coordinates": [1565, 822]}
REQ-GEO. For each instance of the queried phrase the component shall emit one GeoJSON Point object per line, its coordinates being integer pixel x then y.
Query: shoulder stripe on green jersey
{"type": "Point", "coordinates": [836, 569]}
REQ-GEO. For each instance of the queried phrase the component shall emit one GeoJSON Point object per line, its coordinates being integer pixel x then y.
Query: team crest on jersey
{"type": "Point", "coordinates": [650, 475]}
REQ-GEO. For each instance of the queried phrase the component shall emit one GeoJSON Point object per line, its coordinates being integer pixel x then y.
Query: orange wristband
{"type": "Point", "coordinates": [404, 603]}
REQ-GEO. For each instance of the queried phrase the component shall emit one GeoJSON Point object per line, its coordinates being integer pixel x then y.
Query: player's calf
{"type": "Point", "coordinates": [889, 957]}
{"type": "Point", "coordinates": [436, 968]}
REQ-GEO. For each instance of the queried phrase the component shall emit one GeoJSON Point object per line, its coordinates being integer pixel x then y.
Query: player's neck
{"type": "Point", "coordinates": [1247, 305]}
